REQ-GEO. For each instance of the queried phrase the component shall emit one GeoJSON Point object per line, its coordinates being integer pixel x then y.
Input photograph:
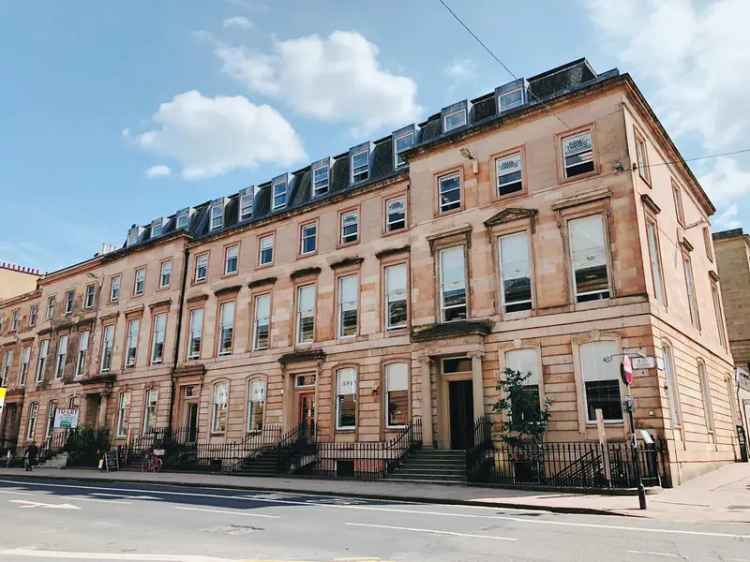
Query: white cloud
{"type": "Point", "coordinates": [210, 136]}
{"type": "Point", "coordinates": [728, 219]}
{"type": "Point", "coordinates": [461, 70]}
{"type": "Point", "coordinates": [693, 57]}
{"type": "Point", "coordinates": [336, 79]}
{"type": "Point", "coordinates": [238, 22]}
{"type": "Point", "coordinates": [158, 171]}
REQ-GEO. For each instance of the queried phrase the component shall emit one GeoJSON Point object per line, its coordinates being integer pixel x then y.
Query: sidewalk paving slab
{"type": "Point", "coordinates": [722, 495]}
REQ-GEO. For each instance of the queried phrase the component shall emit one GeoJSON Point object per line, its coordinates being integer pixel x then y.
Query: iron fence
{"type": "Point", "coordinates": [358, 460]}
{"type": "Point", "coordinates": [579, 464]}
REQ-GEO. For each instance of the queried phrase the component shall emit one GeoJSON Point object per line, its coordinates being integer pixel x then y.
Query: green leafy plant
{"type": "Point", "coordinates": [86, 445]}
{"type": "Point", "coordinates": [525, 417]}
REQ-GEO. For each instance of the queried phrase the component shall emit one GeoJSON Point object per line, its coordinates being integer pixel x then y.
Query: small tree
{"type": "Point", "coordinates": [525, 418]}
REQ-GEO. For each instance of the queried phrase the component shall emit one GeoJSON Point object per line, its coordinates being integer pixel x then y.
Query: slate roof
{"type": "Point", "coordinates": [553, 83]}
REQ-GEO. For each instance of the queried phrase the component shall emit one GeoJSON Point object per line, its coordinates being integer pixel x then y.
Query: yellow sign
{"type": "Point", "coordinates": [3, 390]}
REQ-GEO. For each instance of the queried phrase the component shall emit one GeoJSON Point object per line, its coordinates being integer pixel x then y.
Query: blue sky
{"type": "Point", "coordinates": [116, 113]}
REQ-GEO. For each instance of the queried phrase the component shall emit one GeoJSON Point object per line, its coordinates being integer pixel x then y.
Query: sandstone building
{"type": "Point", "coordinates": [549, 226]}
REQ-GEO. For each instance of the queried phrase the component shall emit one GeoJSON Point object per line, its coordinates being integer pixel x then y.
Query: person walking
{"type": "Point", "coordinates": [9, 458]}
{"type": "Point", "coordinates": [29, 457]}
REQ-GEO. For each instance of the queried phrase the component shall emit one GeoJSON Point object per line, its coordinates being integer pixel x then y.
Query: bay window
{"type": "Point", "coordinates": [396, 394]}
{"type": "Point", "coordinates": [158, 336]}
{"type": "Point", "coordinates": [453, 301]}
{"type": "Point", "coordinates": [305, 313]}
{"type": "Point", "coordinates": [220, 407]}
{"type": "Point", "coordinates": [226, 327]}
{"type": "Point", "coordinates": [396, 311]}
{"type": "Point", "coordinates": [589, 258]}
{"type": "Point", "coordinates": [346, 398]}
{"type": "Point", "coordinates": [601, 380]}
{"type": "Point", "coordinates": [348, 305]}
{"type": "Point", "coordinates": [262, 323]}
{"type": "Point", "coordinates": [256, 403]}
{"type": "Point", "coordinates": [515, 272]}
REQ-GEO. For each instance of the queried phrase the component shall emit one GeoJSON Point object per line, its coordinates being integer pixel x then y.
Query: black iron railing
{"type": "Point", "coordinates": [579, 464]}
{"type": "Point", "coordinates": [479, 456]}
{"type": "Point", "coordinates": [360, 460]}
{"type": "Point", "coordinates": [54, 443]}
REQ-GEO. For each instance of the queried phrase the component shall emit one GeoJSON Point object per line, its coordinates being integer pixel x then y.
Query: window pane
{"type": "Point", "coordinates": [577, 151]}
{"type": "Point", "coordinates": [262, 321]}
{"type": "Point", "coordinates": [450, 193]}
{"type": "Point", "coordinates": [348, 305]}
{"type": "Point", "coordinates": [526, 361]}
{"type": "Point", "coordinates": [515, 267]}
{"type": "Point", "coordinates": [604, 395]}
{"type": "Point", "coordinates": [509, 174]}
{"type": "Point", "coordinates": [396, 215]}
{"type": "Point", "coordinates": [589, 256]}
{"type": "Point", "coordinates": [453, 283]}
{"type": "Point", "coordinates": [196, 332]}
{"type": "Point", "coordinates": [656, 273]}
{"type": "Point", "coordinates": [346, 404]}
{"type": "Point", "coordinates": [601, 379]}
{"type": "Point", "coordinates": [396, 303]}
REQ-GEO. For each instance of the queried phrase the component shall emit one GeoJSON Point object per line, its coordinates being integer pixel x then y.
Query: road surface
{"type": "Point", "coordinates": [46, 520]}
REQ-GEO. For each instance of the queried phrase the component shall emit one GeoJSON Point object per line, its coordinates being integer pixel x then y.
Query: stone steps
{"type": "Point", "coordinates": [432, 466]}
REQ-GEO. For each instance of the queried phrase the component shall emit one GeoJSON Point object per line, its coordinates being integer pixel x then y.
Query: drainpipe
{"type": "Point", "coordinates": [178, 335]}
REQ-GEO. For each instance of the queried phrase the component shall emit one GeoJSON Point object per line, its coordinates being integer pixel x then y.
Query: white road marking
{"type": "Point", "coordinates": [72, 498]}
{"type": "Point", "coordinates": [49, 554]}
{"type": "Point", "coordinates": [664, 554]}
{"type": "Point", "coordinates": [410, 511]}
{"type": "Point", "coordinates": [432, 531]}
{"type": "Point", "coordinates": [227, 512]}
{"type": "Point", "coordinates": [26, 504]}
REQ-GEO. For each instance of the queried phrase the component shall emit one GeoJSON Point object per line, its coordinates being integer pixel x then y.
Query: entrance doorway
{"type": "Point", "coordinates": [306, 412]}
{"type": "Point", "coordinates": [93, 402]}
{"type": "Point", "coordinates": [191, 422]}
{"type": "Point", "coordinates": [461, 402]}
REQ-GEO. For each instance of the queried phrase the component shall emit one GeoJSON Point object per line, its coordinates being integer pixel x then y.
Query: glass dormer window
{"type": "Point", "coordinates": [134, 235]}
{"type": "Point", "coordinates": [455, 116]}
{"type": "Point", "coordinates": [403, 140]}
{"type": "Point", "coordinates": [321, 177]}
{"type": "Point", "coordinates": [511, 95]}
{"type": "Point", "coordinates": [157, 227]}
{"type": "Point", "coordinates": [360, 162]}
{"type": "Point", "coordinates": [182, 219]}
{"type": "Point", "coordinates": [216, 217]}
{"type": "Point", "coordinates": [279, 188]}
{"type": "Point", "coordinates": [246, 203]}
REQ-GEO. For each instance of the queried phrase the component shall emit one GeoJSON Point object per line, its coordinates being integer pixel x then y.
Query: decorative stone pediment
{"type": "Point", "coordinates": [512, 214]}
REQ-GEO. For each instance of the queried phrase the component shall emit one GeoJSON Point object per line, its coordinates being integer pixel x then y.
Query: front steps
{"type": "Point", "coordinates": [432, 466]}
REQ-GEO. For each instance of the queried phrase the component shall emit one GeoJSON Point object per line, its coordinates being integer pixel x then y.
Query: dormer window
{"type": "Point", "coordinates": [246, 203]}
{"type": "Point", "coordinates": [360, 159]}
{"type": "Point", "coordinates": [455, 116]}
{"type": "Point", "coordinates": [134, 234]}
{"type": "Point", "coordinates": [279, 188]}
{"type": "Point", "coordinates": [157, 225]}
{"type": "Point", "coordinates": [321, 177]}
{"type": "Point", "coordinates": [216, 216]}
{"type": "Point", "coordinates": [511, 95]}
{"type": "Point", "coordinates": [183, 217]}
{"type": "Point", "coordinates": [403, 140]}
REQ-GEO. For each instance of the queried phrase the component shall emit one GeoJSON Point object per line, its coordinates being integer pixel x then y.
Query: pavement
{"type": "Point", "coordinates": [721, 495]}
{"type": "Point", "coordinates": [52, 519]}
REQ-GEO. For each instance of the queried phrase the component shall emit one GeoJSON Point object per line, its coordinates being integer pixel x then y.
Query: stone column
{"type": "Point", "coordinates": [477, 383]}
{"type": "Point", "coordinates": [425, 363]}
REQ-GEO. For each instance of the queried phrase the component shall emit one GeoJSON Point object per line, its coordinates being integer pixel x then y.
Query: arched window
{"type": "Point", "coordinates": [220, 407]}
{"type": "Point", "coordinates": [256, 404]}
{"type": "Point", "coordinates": [396, 394]}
